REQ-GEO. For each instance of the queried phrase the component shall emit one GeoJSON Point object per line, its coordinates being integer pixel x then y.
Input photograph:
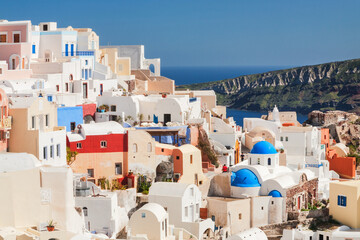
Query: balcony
{"type": "Point", "coordinates": [6, 123]}
{"type": "Point", "coordinates": [77, 53]}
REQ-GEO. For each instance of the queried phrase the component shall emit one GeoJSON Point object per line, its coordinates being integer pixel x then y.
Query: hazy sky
{"type": "Point", "coordinates": [212, 32]}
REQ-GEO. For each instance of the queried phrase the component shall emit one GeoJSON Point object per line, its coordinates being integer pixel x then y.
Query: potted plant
{"type": "Point", "coordinates": [51, 226]}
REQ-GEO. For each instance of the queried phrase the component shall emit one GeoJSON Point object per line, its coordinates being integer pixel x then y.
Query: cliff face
{"type": "Point", "coordinates": [327, 86]}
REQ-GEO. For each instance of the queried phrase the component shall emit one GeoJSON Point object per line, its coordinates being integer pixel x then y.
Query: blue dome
{"type": "Point", "coordinates": [244, 178]}
{"type": "Point", "coordinates": [275, 193]}
{"type": "Point", "coordinates": [263, 147]}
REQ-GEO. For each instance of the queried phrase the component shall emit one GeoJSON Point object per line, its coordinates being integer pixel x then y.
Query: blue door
{"type": "Point", "coordinates": [72, 50]}
{"type": "Point", "coordinates": [66, 50]}
{"type": "Point", "coordinates": [86, 74]}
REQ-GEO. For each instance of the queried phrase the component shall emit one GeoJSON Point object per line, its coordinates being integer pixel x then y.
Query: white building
{"type": "Point", "coordinates": [251, 234]}
{"type": "Point", "coordinates": [340, 233]}
{"type": "Point", "coordinates": [183, 203]}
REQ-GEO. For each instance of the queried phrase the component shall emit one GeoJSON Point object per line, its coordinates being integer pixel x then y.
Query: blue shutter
{"type": "Point", "coordinates": [83, 73]}
{"type": "Point", "coordinates": [66, 50]}
{"type": "Point", "coordinates": [86, 74]}
{"type": "Point", "coordinates": [339, 200]}
{"type": "Point", "coordinates": [33, 49]}
{"type": "Point", "coordinates": [344, 201]}
{"type": "Point", "coordinates": [72, 49]}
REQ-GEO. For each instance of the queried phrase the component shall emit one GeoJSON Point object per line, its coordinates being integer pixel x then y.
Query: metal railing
{"type": "Point", "coordinates": [77, 53]}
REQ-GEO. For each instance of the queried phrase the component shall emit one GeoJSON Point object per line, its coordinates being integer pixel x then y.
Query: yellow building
{"type": "Point", "coordinates": [121, 66]}
{"type": "Point", "coordinates": [345, 202]}
{"type": "Point", "coordinates": [35, 130]}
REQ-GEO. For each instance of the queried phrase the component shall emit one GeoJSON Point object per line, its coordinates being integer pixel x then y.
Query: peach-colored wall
{"type": "Point", "coordinates": [165, 152]}
{"type": "Point", "coordinates": [14, 28]}
{"type": "Point", "coordinates": [4, 105]}
{"type": "Point", "coordinates": [178, 161]}
{"type": "Point", "coordinates": [21, 49]}
{"type": "Point", "coordinates": [194, 133]}
{"type": "Point", "coordinates": [15, 74]}
{"type": "Point", "coordinates": [102, 163]}
{"type": "Point", "coordinates": [161, 86]}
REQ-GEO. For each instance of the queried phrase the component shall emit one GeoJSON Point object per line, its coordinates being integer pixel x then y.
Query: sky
{"type": "Point", "coordinates": [211, 32]}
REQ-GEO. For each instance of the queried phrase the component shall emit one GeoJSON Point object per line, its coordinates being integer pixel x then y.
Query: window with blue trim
{"type": "Point", "coordinates": [49, 98]}
{"type": "Point", "coordinates": [341, 201]}
{"type": "Point", "coordinates": [33, 48]}
{"type": "Point", "coordinates": [86, 62]}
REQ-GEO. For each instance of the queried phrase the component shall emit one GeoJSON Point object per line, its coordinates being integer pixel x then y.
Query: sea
{"type": "Point", "coordinates": [190, 75]}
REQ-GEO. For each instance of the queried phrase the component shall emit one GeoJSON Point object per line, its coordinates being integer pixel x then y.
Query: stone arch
{"type": "Point", "coordinates": [15, 62]}
{"type": "Point", "coordinates": [164, 170]}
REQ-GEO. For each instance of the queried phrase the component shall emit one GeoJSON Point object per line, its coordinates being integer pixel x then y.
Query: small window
{"type": "Point", "coordinates": [321, 237]}
{"type": "Point", "coordinates": [118, 169]}
{"type": "Point", "coordinates": [33, 49]}
{"type": "Point", "coordinates": [45, 152]}
{"type": "Point", "coordinates": [16, 37]}
{"type": "Point", "coordinates": [262, 208]}
{"type": "Point", "coordinates": [258, 161]}
{"type": "Point", "coordinates": [45, 27]}
{"type": "Point", "coordinates": [91, 172]}
{"type": "Point", "coordinates": [52, 151]}
{"type": "Point", "coordinates": [0, 71]}
{"type": "Point", "coordinates": [281, 138]}
{"type": "Point", "coordinates": [85, 211]}
{"type": "Point", "coordinates": [239, 216]}
{"type": "Point", "coordinates": [177, 157]}
{"type": "Point", "coordinates": [72, 126]}
{"type": "Point", "coordinates": [143, 215]}
{"type": "Point", "coordinates": [191, 159]}
{"type": "Point", "coordinates": [78, 145]}
{"type": "Point", "coordinates": [113, 108]}
{"type": "Point", "coordinates": [33, 122]}
{"type": "Point", "coordinates": [269, 161]}
{"type": "Point", "coordinates": [162, 150]}
{"type": "Point", "coordinates": [341, 200]}
{"type": "Point", "coordinates": [67, 87]}
{"type": "Point", "coordinates": [103, 144]}
{"type": "Point", "coordinates": [47, 120]}
{"type": "Point", "coordinates": [286, 139]}
{"type": "Point", "coordinates": [50, 98]}
{"type": "Point", "coordinates": [57, 88]}
{"type": "Point", "coordinates": [86, 62]}
{"type": "Point", "coordinates": [149, 147]}
{"type": "Point", "coordinates": [58, 150]}
{"type": "Point", "coordinates": [134, 148]}
{"type": "Point", "coordinates": [213, 218]}
{"type": "Point", "coordinates": [3, 37]}
{"type": "Point", "coordinates": [272, 202]}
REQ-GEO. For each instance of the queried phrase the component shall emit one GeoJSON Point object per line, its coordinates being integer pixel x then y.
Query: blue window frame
{"type": "Point", "coordinates": [49, 98]}
{"type": "Point", "coordinates": [86, 62]}
{"type": "Point", "coordinates": [83, 73]}
{"type": "Point", "coordinates": [86, 74]}
{"type": "Point", "coordinates": [72, 49]}
{"type": "Point", "coordinates": [341, 200]}
{"type": "Point", "coordinates": [33, 48]}
{"type": "Point", "coordinates": [66, 50]}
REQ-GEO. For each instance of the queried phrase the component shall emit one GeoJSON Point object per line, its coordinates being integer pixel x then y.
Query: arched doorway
{"type": "Point", "coordinates": [14, 62]}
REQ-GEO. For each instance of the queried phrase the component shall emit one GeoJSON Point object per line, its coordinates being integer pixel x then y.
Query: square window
{"type": "Point", "coordinates": [78, 145]}
{"type": "Point", "coordinates": [16, 37]}
{"type": "Point", "coordinates": [113, 108]}
{"type": "Point", "coordinates": [103, 144]}
{"type": "Point", "coordinates": [118, 168]}
{"type": "Point", "coordinates": [91, 172]}
{"type": "Point", "coordinates": [341, 200]}
{"type": "Point", "coordinates": [3, 37]}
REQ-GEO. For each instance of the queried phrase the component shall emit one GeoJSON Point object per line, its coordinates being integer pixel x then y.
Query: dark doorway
{"type": "Point", "coordinates": [167, 118]}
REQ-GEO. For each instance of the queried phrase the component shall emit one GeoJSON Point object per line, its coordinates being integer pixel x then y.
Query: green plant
{"type": "Point", "coordinates": [146, 192]}
{"type": "Point", "coordinates": [115, 185]}
{"type": "Point", "coordinates": [104, 107]}
{"type": "Point", "coordinates": [107, 182]}
{"type": "Point", "coordinates": [102, 182]}
{"type": "Point", "coordinates": [70, 156]}
{"type": "Point", "coordinates": [51, 223]}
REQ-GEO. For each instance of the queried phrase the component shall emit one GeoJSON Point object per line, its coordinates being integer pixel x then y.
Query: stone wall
{"type": "Point", "coordinates": [306, 188]}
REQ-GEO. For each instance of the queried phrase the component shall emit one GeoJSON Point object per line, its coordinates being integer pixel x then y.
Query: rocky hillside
{"type": "Point", "coordinates": [326, 86]}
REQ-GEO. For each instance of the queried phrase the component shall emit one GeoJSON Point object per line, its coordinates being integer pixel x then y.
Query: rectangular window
{"type": "Point", "coordinates": [191, 159]}
{"type": "Point", "coordinates": [103, 144]}
{"type": "Point", "coordinates": [86, 62]}
{"type": "Point", "coordinates": [16, 37]}
{"type": "Point", "coordinates": [281, 138]}
{"type": "Point", "coordinates": [91, 172]}
{"type": "Point", "coordinates": [45, 152]}
{"type": "Point", "coordinates": [45, 27]}
{"type": "Point", "coordinates": [78, 145]}
{"type": "Point", "coordinates": [58, 150]}
{"type": "Point", "coordinates": [113, 108]}
{"type": "Point", "coordinates": [239, 216]}
{"type": "Point", "coordinates": [67, 87]}
{"type": "Point", "coordinates": [118, 168]}
{"type": "Point", "coordinates": [143, 215]}
{"type": "Point", "coordinates": [52, 151]}
{"type": "Point", "coordinates": [72, 126]}
{"type": "Point", "coordinates": [47, 120]}
{"type": "Point", "coordinates": [49, 98]}
{"type": "Point", "coordinates": [341, 200]}
{"type": "Point", "coordinates": [321, 237]}
{"type": "Point", "coordinates": [72, 49]}
{"type": "Point", "coordinates": [66, 50]}
{"type": "Point", "coordinates": [3, 37]}
{"type": "Point", "coordinates": [57, 88]}
{"type": "Point", "coordinates": [286, 139]}
{"type": "Point", "coordinates": [33, 48]}
{"type": "Point", "coordinates": [0, 71]}
{"type": "Point", "coordinates": [33, 122]}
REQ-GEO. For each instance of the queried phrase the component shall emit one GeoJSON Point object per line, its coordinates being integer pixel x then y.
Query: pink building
{"type": "Point", "coordinates": [15, 49]}
{"type": "Point", "coordinates": [5, 121]}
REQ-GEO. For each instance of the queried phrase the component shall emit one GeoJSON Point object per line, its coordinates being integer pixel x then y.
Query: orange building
{"type": "Point", "coordinates": [344, 166]}
{"type": "Point", "coordinates": [5, 121]}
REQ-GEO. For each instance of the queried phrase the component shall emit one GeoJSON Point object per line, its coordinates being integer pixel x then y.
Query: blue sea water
{"type": "Point", "coordinates": [189, 75]}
